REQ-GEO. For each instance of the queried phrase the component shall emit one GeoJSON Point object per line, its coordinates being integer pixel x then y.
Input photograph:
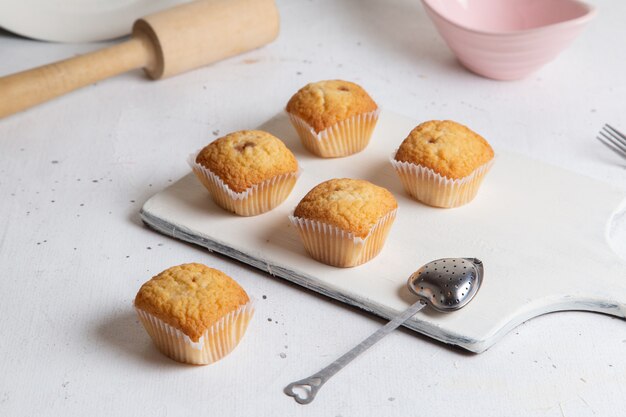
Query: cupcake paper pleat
{"type": "Point", "coordinates": [337, 247]}
{"type": "Point", "coordinates": [341, 139]}
{"type": "Point", "coordinates": [257, 199]}
{"type": "Point", "coordinates": [431, 188]}
{"type": "Point", "coordinates": [217, 341]}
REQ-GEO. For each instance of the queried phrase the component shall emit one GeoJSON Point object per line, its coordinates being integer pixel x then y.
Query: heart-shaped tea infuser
{"type": "Point", "coordinates": [445, 284]}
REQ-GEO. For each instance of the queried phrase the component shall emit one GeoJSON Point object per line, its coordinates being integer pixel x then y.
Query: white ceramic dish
{"type": "Point", "coordinates": [548, 239]}
{"type": "Point", "coordinates": [76, 20]}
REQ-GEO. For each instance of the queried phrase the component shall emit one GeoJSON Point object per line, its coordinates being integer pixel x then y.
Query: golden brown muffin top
{"type": "Point", "coordinates": [324, 103]}
{"type": "Point", "coordinates": [247, 157]}
{"type": "Point", "coordinates": [446, 147]}
{"type": "Point", "coordinates": [190, 297]}
{"type": "Point", "coordinates": [351, 205]}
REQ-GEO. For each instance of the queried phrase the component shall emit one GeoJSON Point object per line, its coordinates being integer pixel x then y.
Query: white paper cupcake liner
{"type": "Point", "coordinates": [429, 187]}
{"type": "Point", "coordinates": [341, 139]}
{"type": "Point", "coordinates": [337, 247]}
{"type": "Point", "coordinates": [255, 200]}
{"type": "Point", "coordinates": [217, 341]}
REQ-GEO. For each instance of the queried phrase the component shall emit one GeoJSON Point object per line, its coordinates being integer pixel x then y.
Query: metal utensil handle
{"type": "Point", "coordinates": [304, 390]}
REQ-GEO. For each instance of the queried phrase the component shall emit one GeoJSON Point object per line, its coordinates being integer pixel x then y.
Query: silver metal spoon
{"type": "Point", "coordinates": [445, 284]}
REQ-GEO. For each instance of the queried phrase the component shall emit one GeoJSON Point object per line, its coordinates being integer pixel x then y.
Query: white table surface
{"type": "Point", "coordinates": [74, 173]}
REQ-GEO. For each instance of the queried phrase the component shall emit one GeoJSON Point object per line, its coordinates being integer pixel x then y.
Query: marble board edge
{"type": "Point", "coordinates": [164, 227]}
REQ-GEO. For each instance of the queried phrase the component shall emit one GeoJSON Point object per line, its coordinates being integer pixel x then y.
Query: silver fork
{"type": "Point", "coordinates": [613, 139]}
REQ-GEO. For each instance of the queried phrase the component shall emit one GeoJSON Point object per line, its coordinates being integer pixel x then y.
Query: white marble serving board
{"type": "Point", "coordinates": [549, 239]}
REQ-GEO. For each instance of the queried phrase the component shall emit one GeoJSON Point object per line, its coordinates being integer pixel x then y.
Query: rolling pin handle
{"type": "Point", "coordinates": [31, 87]}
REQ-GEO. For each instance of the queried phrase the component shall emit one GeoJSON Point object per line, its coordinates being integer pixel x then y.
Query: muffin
{"type": "Point", "coordinates": [247, 172]}
{"type": "Point", "coordinates": [193, 313]}
{"type": "Point", "coordinates": [344, 222]}
{"type": "Point", "coordinates": [442, 163]}
{"type": "Point", "coordinates": [333, 118]}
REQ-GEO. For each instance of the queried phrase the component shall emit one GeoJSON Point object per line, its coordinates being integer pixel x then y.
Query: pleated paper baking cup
{"type": "Point", "coordinates": [217, 341]}
{"type": "Point", "coordinates": [429, 187]}
{"type": "Point", "coordinates": [341, 139]}
{"type": "Point", "coordinates": [255, 200]}
{"type": "Point", "coordinates": [337, 247]}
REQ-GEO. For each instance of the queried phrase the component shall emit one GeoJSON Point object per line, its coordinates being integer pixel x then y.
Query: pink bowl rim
{"type": "Point", "coordinates": [591, 12]}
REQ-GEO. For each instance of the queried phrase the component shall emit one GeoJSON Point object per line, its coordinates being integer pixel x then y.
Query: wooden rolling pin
{"type": "Point", "coordinates": [163, 44]}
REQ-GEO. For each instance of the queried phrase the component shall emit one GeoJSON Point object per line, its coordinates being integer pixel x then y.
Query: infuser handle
{"type": "Point", "coordinates": [305, 390]}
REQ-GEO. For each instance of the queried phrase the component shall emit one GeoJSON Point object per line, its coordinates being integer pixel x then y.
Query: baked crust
{"type": "Point", "coordinates": [448, 148]}
{"type": "Point", "coordinates": [247, 157]}
{"type": "Point", "coordinates": [325, 103]}
{"type": "Point", "coordinates": [349, 204]}
{"type": "Point", "coordinates": [191, 297]}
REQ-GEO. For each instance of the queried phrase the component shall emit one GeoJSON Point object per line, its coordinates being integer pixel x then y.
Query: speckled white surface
{"type": "Point", "coordinates": [73, 251]}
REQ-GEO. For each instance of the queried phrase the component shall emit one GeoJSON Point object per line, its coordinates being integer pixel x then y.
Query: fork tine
{"type": "Point", "coordinates": [611, 147]}
{"type": "Point", "coordinates": [614, 142]}
{"type": "Point", "coordinates": [620, 134]}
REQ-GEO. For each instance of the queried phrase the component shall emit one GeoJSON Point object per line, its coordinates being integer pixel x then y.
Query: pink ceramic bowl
{"type": "Point", "coordinates": [507, 39]}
